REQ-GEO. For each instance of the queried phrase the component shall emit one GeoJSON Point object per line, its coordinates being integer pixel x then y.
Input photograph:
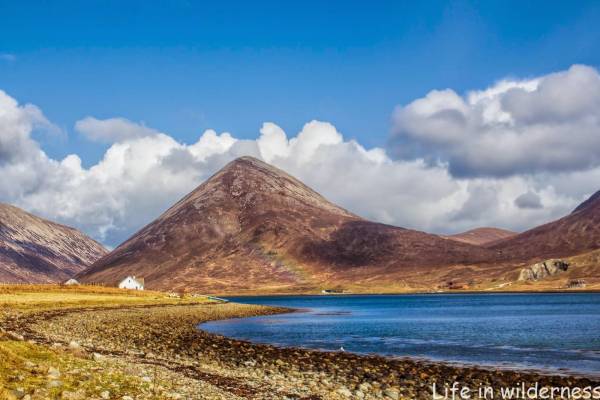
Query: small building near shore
{"type": "Point", "coordinates": [131, 282]}
{"type": "Point", "coordinates": [72, 282]}
{"type": "Point", "coordinates": [332, 291]}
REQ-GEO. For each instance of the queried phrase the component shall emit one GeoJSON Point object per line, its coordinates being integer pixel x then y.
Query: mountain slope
{"type": "Point", "coordinates": [34, 250]}
{"type": "Point", "coordinates": [576, 233]}
{"type": "Point", "coordinates": [253, 227]}
{"type": "Point", "coordinates": [481, 236]}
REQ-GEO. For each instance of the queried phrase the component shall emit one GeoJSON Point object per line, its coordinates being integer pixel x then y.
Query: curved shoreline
{"type": "Point", "coordinates": [169, 335]}
{"type": "Point", "coordinates": [457, 364]}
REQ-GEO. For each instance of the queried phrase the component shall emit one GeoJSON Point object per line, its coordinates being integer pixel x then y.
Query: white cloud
{"type": "Point", "coordinates": [547, 124]}
{"type": "Point", "coordinates": [529, 200]}
{"type": "Point", "coordinates": [144, 171]}
{"type": "Point", "coordinates": [112, 129]}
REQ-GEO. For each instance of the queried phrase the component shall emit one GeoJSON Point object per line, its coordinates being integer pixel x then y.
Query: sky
{"type": "Point", "coordinates": [438, 116]}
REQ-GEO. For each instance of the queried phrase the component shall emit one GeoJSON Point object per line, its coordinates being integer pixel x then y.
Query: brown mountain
{"type": "Point", "coordinates": [34, 250]}
{"type": "Point", "coordinates": [482, 236]}
{"type": "Point", "coordinates": [252, 227]}
{"type": "Point", "coordinates": [577, 233]}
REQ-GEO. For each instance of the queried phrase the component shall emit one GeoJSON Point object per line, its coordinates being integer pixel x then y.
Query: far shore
{"type": "Point", "coordinates": [399, 293]}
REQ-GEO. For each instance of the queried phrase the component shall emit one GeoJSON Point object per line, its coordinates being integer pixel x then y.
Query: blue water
{"type": "Point", "coordinates": [550, 332]}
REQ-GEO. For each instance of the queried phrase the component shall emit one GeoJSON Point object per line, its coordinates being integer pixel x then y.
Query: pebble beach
{"type": "Point", "coordinates": [163, 344]}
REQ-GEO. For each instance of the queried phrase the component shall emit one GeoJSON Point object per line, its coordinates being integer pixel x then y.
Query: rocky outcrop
{"type": "Point", "coordinates": [543, 270]}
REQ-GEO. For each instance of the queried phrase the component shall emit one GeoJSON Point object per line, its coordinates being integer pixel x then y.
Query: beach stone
{"type": "Point", "coordinates": [392, 394]}
{"type": "Point", "coordinates": [126, 398]}
{"type": "Point", "coordinates": [15, 336]}
{"type": "Point", "coordinates": [73, 345]}
{"type": "Point", "coordinates": [53, 373]}
{"type": "Point", "coordinates": [105, 395]}
{"type": "Point", "coordinates": [19, 393]}
{"type": "Point", "coordinates": [365, 387]}
{"type": "Point", "coordinates": [29, 364]}
{"type": "Point", "coordinates": [55, 384]}
{"type": "Point", "coordinates": [344, 392]}
{"type": "Point", "coordinates": [98, 357]}
{"type": "Point", "coordinates": [78, 395]}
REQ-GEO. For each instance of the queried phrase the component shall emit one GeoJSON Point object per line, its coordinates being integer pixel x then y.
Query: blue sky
{"type": "Point", "coordinates": [182, 67]}
{"type": "Point", "coordinates": [437, 116]}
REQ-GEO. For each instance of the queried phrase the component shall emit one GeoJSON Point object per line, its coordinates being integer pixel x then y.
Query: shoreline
{"type": "Point", "coordinates": [418, 359]}
{"type": "Point", "coordinates": [458, 364]}
{"type": "Point", "coordinates": [168, 335]}
{"type": "Point", "coordinates": [417, 293]}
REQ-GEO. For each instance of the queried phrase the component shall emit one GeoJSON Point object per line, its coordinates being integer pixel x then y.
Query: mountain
{"type": "Point", "coordinates": [253, 227]}
{"type": "Point", "coordinates": [34, 250]}
{"type": "Point", "coordinates": [576, 233]}
{"type": "Point", "coordinates": [481, 236]}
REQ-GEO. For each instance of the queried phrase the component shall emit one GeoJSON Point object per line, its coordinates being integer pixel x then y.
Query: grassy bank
{"type": "Point", "coordinates": [32, 369]}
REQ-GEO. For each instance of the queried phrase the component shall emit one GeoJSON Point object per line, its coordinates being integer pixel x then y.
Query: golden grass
{"type": "Point", "coordinates": [79, 376]}
{"type": "Point", "coordinates": [12, 288]}
{"type": "Point", "coordinates": [42, 297]}
{"type": "Point", "coordinates": [25, 366]}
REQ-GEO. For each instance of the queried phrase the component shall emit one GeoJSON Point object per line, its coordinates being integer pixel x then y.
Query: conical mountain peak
{"type": "Point", "coordinates": [253, 227]}
{"type": "Point", "coordinates": [248, 183]}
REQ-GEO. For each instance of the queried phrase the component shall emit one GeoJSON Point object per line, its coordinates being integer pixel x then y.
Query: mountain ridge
{"type": "Point", "coordinates": [253, 220]}
{"type": "Point", "coordinates": [481, 236]}
{"type": "Point", "coordinates": [252, 228]}
{"type": "Point", "coordinates": [573, 234]}
{"type": "Point", "coordinates": [36, 250]}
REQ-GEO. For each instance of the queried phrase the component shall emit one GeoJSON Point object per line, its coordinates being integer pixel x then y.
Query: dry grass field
{"type": "Point", "coordinates": [23, 297]}
{"type": "Point", "coordinates": [33, 370]}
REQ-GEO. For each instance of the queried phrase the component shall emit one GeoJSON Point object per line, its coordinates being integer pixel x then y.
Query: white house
{"type": "Point", "coordinates": [71, 282]}
{"type": "Point", "coordinates": [131, 282]}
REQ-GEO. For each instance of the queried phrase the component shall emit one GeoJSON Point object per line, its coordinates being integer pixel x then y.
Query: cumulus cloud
{"type": "Point", "coordinates": [547, 124]}
{"type": "Point", "coordinates": [144, 171]}
{"type": "Point", "coordinates": [112, 129]}
{"type": "Point", "coordinates": [529, 200]}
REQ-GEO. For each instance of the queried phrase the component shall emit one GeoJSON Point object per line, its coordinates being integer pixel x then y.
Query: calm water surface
{"type": "Point", "coordinates": [530, 331]}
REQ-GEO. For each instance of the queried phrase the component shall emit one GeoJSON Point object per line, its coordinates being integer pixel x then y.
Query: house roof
{"type": "Point", "coordinates": [140, 281]}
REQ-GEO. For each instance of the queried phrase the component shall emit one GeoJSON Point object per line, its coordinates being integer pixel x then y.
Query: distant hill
{"type": "Point", "coordinates": [576, 233]}
{"type": "Point", "coordinates": [253, 227]}
{"type": "Point", "coordinates": [482, 236]}
{"type": "Point", "coordinates": [34, 250]}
